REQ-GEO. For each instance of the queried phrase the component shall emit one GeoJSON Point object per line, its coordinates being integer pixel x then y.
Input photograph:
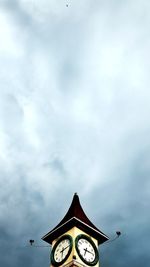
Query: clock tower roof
{"type": "Point", "coordinates": [75, 217]}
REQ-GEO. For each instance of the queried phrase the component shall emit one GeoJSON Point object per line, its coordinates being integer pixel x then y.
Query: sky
{"type": "Point", "coordinates": [74, 117]}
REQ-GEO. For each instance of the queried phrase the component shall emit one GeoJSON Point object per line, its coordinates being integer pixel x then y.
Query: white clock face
{"type": "Point", "coordinates": [86, 250]}
{"type": "Point", "coordinates": [62, 250]}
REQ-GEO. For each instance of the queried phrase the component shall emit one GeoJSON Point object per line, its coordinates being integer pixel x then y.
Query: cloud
{"type": "Point", "coordinates": [74, 116]}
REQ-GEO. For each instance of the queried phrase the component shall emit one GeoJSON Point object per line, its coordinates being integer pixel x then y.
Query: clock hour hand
{"type": "Point", "coordinates": [62, 252]}
{"type": "Point", "coordinates": [85, 249]}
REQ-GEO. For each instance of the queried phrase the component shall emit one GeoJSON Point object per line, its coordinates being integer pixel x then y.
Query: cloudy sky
{"type": "Point", "coordinates": [74, 117]}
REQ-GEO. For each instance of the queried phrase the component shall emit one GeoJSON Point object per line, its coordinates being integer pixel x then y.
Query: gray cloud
{"type": "Point", "coordinates": [74, 116]}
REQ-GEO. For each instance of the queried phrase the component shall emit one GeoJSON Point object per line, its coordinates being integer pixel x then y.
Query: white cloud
{"type": "Point", "coordinates": [56, 10]}
{"type": "Point", "coordinates": [110, 73]}
{"type": "Point", "coordinates": [10, 45]}
{"type": "Point", "coordinates": [74, 105]}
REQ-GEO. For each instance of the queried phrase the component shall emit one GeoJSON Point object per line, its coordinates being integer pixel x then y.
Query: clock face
{"type": "Point", "coordinates": [61, 250]}
{"type": "Point", "coordinates": [87, 250]}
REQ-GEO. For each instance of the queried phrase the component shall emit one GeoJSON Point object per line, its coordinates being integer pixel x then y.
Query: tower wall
{"type": "Point", "coordinates": [74, 260]}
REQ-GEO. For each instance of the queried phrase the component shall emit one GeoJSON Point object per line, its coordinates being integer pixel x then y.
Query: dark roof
{"type": "Point", "coordinates": [75, 217]}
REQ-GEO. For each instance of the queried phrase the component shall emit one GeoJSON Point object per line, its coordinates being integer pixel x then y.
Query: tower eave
{"type": "Point", "coordinates": [63, 228]}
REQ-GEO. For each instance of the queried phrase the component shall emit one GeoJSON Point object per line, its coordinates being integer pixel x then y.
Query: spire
{"type": "Point", "coordinates": [76, 211]}
{"type": "Point", "coordinates": [75, 217]}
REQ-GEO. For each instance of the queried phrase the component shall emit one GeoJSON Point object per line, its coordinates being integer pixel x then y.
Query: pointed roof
{"type": "Point", "coordinates": [75, 217]}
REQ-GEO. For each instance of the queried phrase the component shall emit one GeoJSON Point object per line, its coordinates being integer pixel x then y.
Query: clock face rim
{"type": "Point", "coordinates": [89, 239]}
{"type": "Point", "coordinates": [53, 261]}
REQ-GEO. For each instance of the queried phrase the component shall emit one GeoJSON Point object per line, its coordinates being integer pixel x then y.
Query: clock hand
{"type": "Point", "coordinates": [64, 249]}
{"type": "Point", "coordinates": [86, 250]}
{"type": "Point", "coordinates": [62, 252]}
{"type": "Point", "coordinates": [67, 247]}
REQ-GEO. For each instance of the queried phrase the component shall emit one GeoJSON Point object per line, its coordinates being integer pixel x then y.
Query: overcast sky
{"type": "Point", "coordinates": [74, 117]}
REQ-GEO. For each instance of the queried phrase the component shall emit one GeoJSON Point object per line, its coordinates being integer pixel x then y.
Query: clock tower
{"type": "Point", "coordinates": [75, 239]}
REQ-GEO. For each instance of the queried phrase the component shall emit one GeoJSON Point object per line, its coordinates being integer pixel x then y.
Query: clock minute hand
{"type": "Point", "coordinates": [89, 251]}
{"type": "Point", "coordinates": [66, 247]}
